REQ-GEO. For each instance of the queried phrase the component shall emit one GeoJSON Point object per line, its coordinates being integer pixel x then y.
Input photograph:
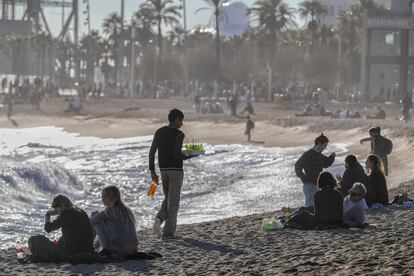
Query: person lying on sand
{"type": "Point", "coordinates": [308, 111]}
{"type": "Point", "coordinates": [77, 233]}
{"type": "Point", "coordinates": [355, 206]}
{"type": "Point", "coordinates": [380, 114]}
{"type": "Point", "coordinates": [115, 225]}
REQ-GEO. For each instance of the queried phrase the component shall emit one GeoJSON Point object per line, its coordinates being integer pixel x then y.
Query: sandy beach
{"type": "Point", "coordinates": [238, 245]}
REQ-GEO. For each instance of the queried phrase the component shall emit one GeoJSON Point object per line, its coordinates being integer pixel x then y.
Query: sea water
{"type": "Point", "coordinates": [230, 180]}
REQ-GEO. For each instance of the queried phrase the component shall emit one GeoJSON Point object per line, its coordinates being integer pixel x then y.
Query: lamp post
{"type": "Point", "coordinates": [338, 76]}
{"type": "Point", "coordinates": [134, 23]}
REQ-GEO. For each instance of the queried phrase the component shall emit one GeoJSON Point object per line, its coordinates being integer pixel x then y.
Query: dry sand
{"type": "Point", "coordinates": [238, 245]}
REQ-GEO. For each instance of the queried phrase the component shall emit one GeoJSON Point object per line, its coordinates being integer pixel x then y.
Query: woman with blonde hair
{"type": "Point", "coordinates": [355, 206]}
{"type": "Point", "coordinates": [77, 233]}
{"type": "Point", "coordinates": [376, 180]}
{"type": "Point", "coordinates": [115, 225]}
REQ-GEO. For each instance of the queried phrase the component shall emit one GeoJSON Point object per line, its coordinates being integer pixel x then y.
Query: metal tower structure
{"type": "Point", "coordinates": [33, 11]}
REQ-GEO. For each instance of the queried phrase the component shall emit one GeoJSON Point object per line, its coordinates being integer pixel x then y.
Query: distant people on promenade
{"type": "Point", "coordinates": [77, 233]}
{"type": "Point", "coordinates": [249, 127]}
{"type": "Point", "coordinates": [380, 146]}
{"type": "Point", "coordinates": [380, 114]}
{"type": "Point", "coordinates": [197, 103]}
{"type": "Point", "coordinates": [168, 141]}
{"type": "Point", "coordinates": [233, 103]}
{"type": "Point", "coordinates": [355, 206]}
{"type": "Point", "coordinates": [8, 102]}
{"type": "Point", "coordinates": [248, 108]}
{"type": "Point", "coordinates": [309, 166]}
{"type": "Point", "coordinates": [407, 105]}
{"type": "Point", "coordinates": [115, 226]}
{"type": "Point", "coordinates": [377, 181]}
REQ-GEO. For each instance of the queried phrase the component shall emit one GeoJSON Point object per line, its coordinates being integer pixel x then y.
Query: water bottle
{"type": "Point", "coordinates": [19, 252]}
{"type": "Point", "coordinates": [153, 187]}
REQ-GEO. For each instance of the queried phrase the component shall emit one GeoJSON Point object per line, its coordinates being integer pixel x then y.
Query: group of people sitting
{"type": "Point", "coordinates": [314, 110]}
{"type": "Point", "coordinates": [338, 202]}
{"type": "Point", "coordinates": [106, 234]}
{"type": "Point", "coordinates": [344, 203]}
{"type": "Point", "coordinates": [319, 110]}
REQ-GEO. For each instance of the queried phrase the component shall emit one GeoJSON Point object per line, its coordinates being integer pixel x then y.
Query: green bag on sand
{"type": "Point", "coordinates": [271, 224]}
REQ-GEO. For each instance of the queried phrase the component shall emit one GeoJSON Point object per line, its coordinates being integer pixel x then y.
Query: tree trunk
{"type": "Point", "coordinates": [218, 61]}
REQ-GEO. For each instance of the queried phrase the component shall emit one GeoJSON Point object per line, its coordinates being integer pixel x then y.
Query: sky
{"type": "Point", "coordinates": [101, 8]}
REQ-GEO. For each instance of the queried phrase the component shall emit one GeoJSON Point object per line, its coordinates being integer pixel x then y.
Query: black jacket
{"type": "Point", "coordinates": [329, 207]}
{"type": "Point", "coordinates": [77, 233]}
{"type": "Point", "coordinates": [169, 142]}
{"type": "Point", "coordinates": [350, 177]}
{"type": "Point", "coordinates": [310, 164]}
{"type": "Point", "coordinates": [379, 185]}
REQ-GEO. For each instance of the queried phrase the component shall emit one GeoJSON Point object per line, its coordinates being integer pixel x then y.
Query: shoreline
{"type": "Point", "coordinates": [237, 245]}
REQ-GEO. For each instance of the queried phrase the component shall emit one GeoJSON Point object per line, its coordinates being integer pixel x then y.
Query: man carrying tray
{"type": "Point", "coordinates": [168, 140]}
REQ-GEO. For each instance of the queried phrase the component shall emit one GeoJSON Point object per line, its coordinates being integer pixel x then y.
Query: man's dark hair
{"type": "Point", "coordinates": [321, 139]}
{"type": "Point", "coordinates": [174, 114]}
{"type": "Point", "coordinates": [375, 130]}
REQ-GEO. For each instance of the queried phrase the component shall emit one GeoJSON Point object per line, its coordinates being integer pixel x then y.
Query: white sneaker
{"type": "Point", "coordinates": [157, 226]}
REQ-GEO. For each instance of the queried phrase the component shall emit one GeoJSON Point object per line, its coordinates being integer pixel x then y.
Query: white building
{"type": "Point", "coordinates": [335, 7]}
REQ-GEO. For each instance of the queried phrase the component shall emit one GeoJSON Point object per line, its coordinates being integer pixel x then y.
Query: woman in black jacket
{"type": "Point", "coordinates": [354, 173]}
{"type": "Point", "coordinates": [77, 234]}
{"type": "Point", "coordinates": [376, 180]}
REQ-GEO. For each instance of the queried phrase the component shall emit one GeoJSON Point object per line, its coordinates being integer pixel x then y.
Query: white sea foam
{"type": "Point", "coordinates": [229, 180]}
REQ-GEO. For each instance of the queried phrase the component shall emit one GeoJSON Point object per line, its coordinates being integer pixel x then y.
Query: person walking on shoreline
{"type": "Point", "coordinates": [380, 146]}
{"type": "Point", "coordinates": [310, 165]}
{"type": "Point", "coordinates": [168, 140]}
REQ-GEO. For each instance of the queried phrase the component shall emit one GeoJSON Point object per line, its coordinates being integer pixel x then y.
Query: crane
{"type": "Point", "coordinates": [33, 10]}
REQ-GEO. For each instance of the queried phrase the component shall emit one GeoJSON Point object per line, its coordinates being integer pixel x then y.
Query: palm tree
{"type": "Point", "coordinates": [273, 16]}
{"type": "Point", "coordinates": [90, 45]}
{"type": "Point", "coordinates": [216, 4]}
{"type": "Point", "coordinates": [112, 28]}
{"type": "Point", "coordinates": [312, 9]}
{"type": "Point", "coordinates": [161, 12]}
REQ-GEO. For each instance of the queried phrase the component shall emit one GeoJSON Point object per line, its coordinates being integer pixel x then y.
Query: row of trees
{"type": "Point", "coordinates": [275, 41]}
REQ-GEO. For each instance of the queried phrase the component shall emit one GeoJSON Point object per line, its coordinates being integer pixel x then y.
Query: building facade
{"type": "Point", "coordinates": [336, 7]}
{"type": "Point", "coordinates": [388, 53]}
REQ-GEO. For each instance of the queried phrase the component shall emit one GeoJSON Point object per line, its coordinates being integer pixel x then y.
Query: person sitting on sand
{"type": "Point", "coordinates": [380, 114]}
{"type": "Point", "coordinates": [77, 233]}
{"type": "Point", "coordinates": [355, 206]}
{"type": "Point", "coordinates": [328, 201]}
{"type": "Point", "coordinates": [308, 111]}
{"type": "Point", "coordinates": [354, 172]}
{"type": "Point", "coordinates": [115, 225]}
{"type": "Point", "coordinates": [328, 211]}
{"type": "Point", "coordinates": [309, 166]}
{"type": "Point", "coordinates": [376, 180]}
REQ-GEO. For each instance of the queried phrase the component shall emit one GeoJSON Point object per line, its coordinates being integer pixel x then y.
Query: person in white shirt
{"type": "Point", "coordinates": [355, 206]}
